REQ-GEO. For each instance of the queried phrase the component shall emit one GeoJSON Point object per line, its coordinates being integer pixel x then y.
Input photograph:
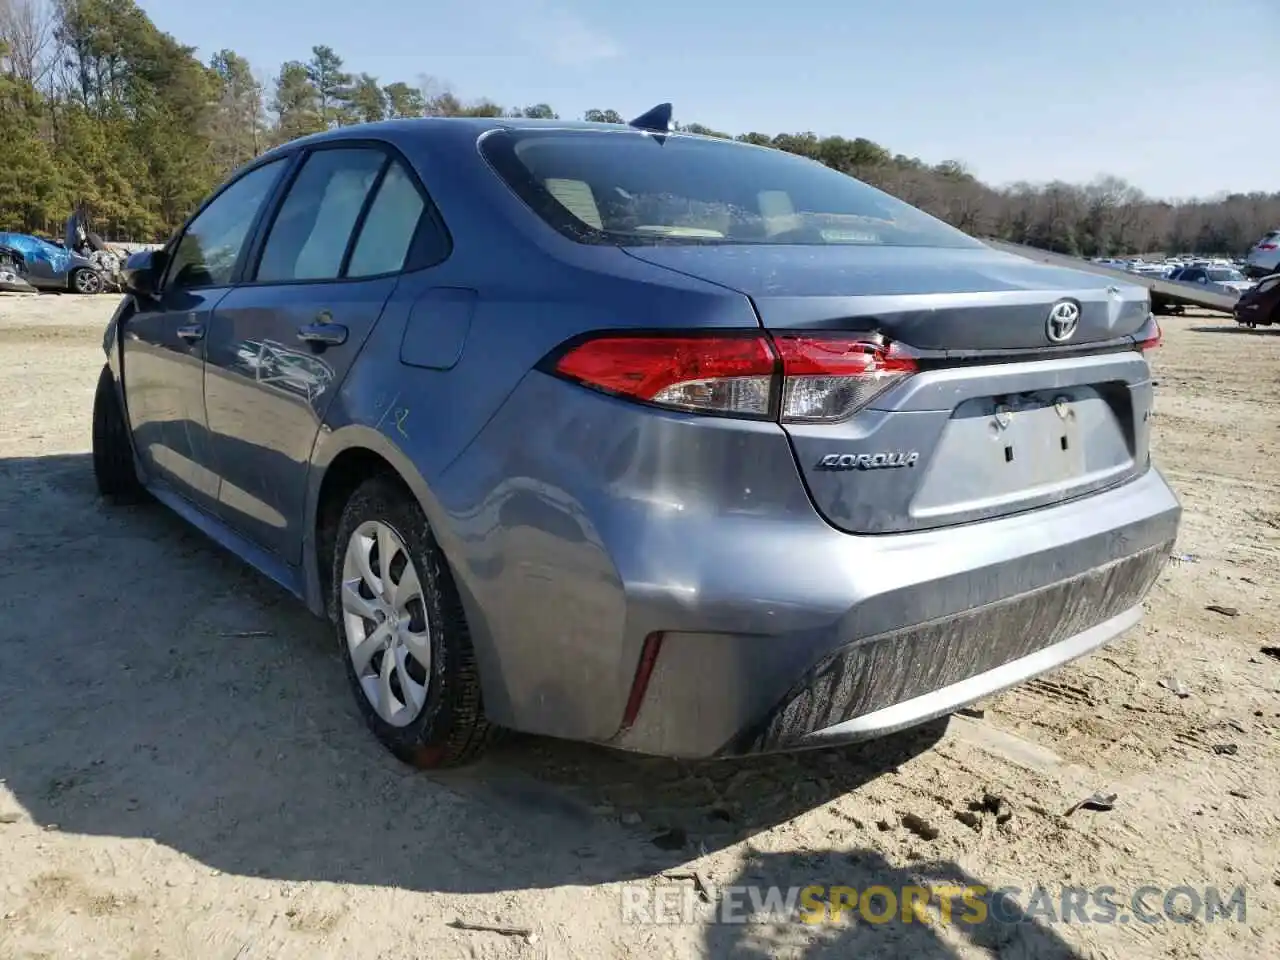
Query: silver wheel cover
{"type": "Point", "coordinates": [384, 619]}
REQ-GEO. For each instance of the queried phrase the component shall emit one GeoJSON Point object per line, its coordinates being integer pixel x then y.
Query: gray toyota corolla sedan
{"type": "Point", "coordinates": [671, 443]}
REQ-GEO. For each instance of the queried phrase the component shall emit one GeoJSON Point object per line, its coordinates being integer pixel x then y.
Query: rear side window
{"type": "Point", "coordinates": [310, 234]}
{"type": "Point", "coordinates": [207, 252]}
{"type": "Point", "coordinates": [627, 188]}
{"type": "Point", "coordinates": [388, 229]}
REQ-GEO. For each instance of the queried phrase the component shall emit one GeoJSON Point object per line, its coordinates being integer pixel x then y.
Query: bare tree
{"type": "Point", "coordinates": [26, 33]}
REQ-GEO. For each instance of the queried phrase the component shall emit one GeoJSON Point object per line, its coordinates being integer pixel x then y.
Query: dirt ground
{"type": "Point", "coordinates": [183, 772]}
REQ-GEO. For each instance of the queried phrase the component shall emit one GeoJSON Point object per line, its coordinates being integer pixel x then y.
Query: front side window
{"type": "Point", "coordinates": [206, 254]}
{"type": "Point", "coordinates": [625, 188]}
{"type": "Point", "coordinates": [310, 234]}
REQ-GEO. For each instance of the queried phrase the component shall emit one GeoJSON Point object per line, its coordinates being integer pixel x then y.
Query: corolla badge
{"type": "Point", "coordinates": [868, 461]}
{"type": "Point", "coordinates": [1063, 320]}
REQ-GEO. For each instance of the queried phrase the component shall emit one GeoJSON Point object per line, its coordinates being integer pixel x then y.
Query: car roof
{"type": "Point", "coordinates": [459, 130]}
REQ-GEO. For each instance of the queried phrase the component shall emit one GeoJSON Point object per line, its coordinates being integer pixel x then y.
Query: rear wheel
{"type": "Point", "coordinates": [403, 633]}
{"type": "Point", "coordinates": [113, 465]}
{"type": "Point", "coordinates": [86, 280]}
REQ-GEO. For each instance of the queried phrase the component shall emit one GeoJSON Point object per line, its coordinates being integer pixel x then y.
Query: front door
{"type": "Point", "coordinates": [164, 339]}
{"type": "Point", "coordinates": [281, 343]}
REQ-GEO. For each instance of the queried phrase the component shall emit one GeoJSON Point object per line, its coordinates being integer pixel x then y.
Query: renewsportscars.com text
{"type": "Point", "coordinates": [675, 903]}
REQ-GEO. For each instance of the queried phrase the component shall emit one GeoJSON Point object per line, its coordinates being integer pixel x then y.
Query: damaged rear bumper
{"type": "Point", "coordinates": [933, 621]}
{"type": "Point", "coordinates": [875, 686]}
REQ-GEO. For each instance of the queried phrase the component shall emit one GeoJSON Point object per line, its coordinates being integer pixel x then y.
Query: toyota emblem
{"type": "Point", "coordinates": [1063, 320]}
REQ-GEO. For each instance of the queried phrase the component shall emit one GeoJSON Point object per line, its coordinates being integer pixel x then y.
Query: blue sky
{"type": "Point", "coordinates": [1180, 97]}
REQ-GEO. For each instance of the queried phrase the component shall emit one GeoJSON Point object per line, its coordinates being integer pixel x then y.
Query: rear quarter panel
{"type": "Point", "coordinates": [529, 290]}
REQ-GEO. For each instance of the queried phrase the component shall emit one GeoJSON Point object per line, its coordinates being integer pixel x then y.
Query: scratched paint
{"type": "Point", "coordinates": [386, 410]}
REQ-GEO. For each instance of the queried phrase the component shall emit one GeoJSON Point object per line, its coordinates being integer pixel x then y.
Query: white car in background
{"type": "Point", "coordinates": [1226, 280]}
{"type": "Point", "coordinates": [1264, 258]}
{"type": "Point", "coordinates": [1145, 268]}
{"type": "Point", "coordinates": [1113, 262]}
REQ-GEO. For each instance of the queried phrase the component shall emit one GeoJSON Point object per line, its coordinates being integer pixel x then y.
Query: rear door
{"type": "Point", "coordinates": [164, 338]}
{"type": "Point", "coordinates": [281, 343]}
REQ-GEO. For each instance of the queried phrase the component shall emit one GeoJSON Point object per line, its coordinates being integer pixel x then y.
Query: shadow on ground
{"type": "Point", "coordinates": [990, 920]}
{"type": "Point", "coordinates": [153, 686]}
{"type": "Point", "coordinates": [1255, 332]}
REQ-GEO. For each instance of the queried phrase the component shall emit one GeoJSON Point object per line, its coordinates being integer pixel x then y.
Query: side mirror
{"type": "Point", "coordinates": [142, 272]}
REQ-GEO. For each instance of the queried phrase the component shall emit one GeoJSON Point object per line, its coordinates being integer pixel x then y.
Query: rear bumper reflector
{"type": "Point", "coordinates": [640, 683]}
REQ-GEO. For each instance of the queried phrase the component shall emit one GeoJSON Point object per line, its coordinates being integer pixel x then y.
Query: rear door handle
{"type": "Point", "coordinates": [192, 332]}
{"type": "Point", "coordinates": [322, 333]}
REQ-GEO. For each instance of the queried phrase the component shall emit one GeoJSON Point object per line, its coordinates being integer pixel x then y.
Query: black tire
{"type": "Point", "coordinates": [113, 465]}
{"type": "Point", "coordinates": [451, 730]}
{"type": "Point", "coordinates": [86, 281]}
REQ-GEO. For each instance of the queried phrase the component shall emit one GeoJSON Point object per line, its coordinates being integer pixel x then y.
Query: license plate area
{"type": "Point", "coordinates": [996, 451]}
{"type": "Point", "coordinates": [1036, 443]}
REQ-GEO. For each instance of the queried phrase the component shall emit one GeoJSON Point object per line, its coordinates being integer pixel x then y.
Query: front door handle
{"type": "Point", "coordinates": [192, 332]}
{"type": "Point", "coordinates": [323, 334]}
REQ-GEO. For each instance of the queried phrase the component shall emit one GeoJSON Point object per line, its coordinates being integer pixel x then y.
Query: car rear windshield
{"type": "Point", "coordinates": [630, 188]}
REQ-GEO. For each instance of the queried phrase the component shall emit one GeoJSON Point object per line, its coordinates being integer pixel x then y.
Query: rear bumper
{"type": "Point", "coordinates": [923, 623]}
{"type": "Point", "coordinates": [951, 697]}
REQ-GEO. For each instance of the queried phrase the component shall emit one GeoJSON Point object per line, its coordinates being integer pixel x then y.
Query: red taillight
{"type": "Point", "coordinates": [797, 377]}
{"type": "Point", "coordinates": [828, 378]}
{"type": "Point", "coordinates": [1266, 246]}
{"type": "Point", "coordinates": [1150, 336]}
{"type": "Point", "coordinates": [721, 374]}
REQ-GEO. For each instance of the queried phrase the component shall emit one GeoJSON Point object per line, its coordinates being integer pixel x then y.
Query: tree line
{"type": "Point", "coordinates": [100, 109]}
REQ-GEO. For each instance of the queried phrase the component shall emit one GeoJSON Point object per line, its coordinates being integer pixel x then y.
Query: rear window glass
{"type": "Point", "coordinates": [626, 188]}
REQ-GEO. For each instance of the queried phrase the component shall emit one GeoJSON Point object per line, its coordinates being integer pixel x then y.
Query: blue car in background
{"type": "Point", "coordinates": [47, 266]}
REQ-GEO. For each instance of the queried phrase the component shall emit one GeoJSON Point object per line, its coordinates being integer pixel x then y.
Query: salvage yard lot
{"type": "Point", "coordinates": [183, 772]}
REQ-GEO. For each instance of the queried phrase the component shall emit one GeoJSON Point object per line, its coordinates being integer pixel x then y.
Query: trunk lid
{"type": "Point", "coordinates": [967, 299]}
{"type": "Point", "coordinates": [999, 418]}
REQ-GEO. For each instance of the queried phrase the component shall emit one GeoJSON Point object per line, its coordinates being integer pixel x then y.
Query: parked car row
{"type": "Point", "coordinates": [1166, 266]}
{"type": "Point", "coordinates": [1219, 274]}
